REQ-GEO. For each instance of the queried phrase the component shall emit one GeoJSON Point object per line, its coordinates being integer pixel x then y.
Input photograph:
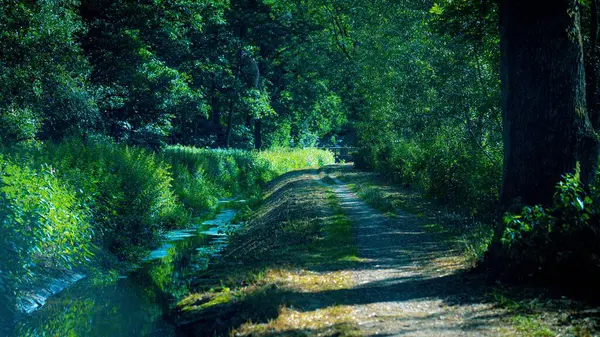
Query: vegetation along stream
{"type": "Point", "coordinates": [472, 207]}
{"type": "Point", "coordinates": [136, 303]}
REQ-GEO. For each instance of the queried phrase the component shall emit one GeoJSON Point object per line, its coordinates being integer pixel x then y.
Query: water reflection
{"type": "Point", "coordinates": [135, 304]}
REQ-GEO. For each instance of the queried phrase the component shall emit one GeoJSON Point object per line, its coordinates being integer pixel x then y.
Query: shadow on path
{"type": "Point", "coordinates": [399, 288]}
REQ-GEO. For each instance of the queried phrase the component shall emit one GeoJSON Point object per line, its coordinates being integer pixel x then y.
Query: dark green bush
{"type": "Point", "coordinates": [559, 241]}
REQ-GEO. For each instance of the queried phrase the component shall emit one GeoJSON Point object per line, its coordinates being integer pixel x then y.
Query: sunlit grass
{"type": "Point", "coordinates": [332, 321]}
{"type": "Point", "coordinates": [267, 293]}
{"type": "Point", "coordinates": [531, 327]}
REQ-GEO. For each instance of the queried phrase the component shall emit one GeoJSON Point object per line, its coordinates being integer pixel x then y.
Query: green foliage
{"type": "Point", "coordinates": [18, 125]}
{"type": "Point", "coordinates": [448, 169]}
{"type": "Point", "coordinates": [284, 160]}
{"type": "Point", "coordinates": [559, 240]}
{"type": "Point", "coordinates": [426, 104]}
{"type": "Point", "coordinates": [230, 172]}
{"type": "Point", "coordinates": [61, 203]}
{"type": "Point", "coordinates": [203, 73]}
{"type": "Point", "coordinates": [44, 73]}
{"type": "Point", "coordinates": [42, 224]}
{"type": "Point", "coordinates": [127, 190]}
{"type": "Point", "coordinates": [459, 175]}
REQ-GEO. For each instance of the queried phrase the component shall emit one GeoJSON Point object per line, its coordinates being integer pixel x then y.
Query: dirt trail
{"type": "Point", "coordinates": [407, 285]}
{"type": "Point", "coordinates": [316, 260]}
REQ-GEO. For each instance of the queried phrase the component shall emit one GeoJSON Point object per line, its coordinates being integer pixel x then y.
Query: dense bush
{"type": "Point", "coordinates": [42, 224]}
{"type": "Point", "coordinates": [447, 168]}
{"type": "Point", "coordinates": [128, 190]}
{"type": "Point", "coordinates": [559, 241]}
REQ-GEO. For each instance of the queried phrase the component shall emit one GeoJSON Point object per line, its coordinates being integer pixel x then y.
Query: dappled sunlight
{"type": "Point", "coordinates": [309, 281]}
{"type": "Point", "coordinates": [331, 321]}
{"type": "Point", "coordinates": [411, 281]}
{"type": "Point", "coordinates": [354, 272]}
{"type": "Point", "coordinates": [397, 168]}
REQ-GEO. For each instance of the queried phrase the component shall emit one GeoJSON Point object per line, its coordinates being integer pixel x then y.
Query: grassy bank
{"type": "Point", "coordinates": [203, 175]}
{"type": "Point", "coordinates": [64, 205]}
{"type": "Point", "coordinates": [283, 273]}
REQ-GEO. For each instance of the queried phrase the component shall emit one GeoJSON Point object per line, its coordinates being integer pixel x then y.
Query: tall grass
{"type": "Point", "coordinates": [60, 203]}
{"type": "Point", "coordinates": [229, 172]}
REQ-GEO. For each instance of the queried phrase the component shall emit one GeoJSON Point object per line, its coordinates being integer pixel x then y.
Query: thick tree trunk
{"type": "Point", "coordinates": [544, 105]}
{"type": "Point", "coordinates": [543, 98]}
{"type": "Point", "coordinates": [590, 145]}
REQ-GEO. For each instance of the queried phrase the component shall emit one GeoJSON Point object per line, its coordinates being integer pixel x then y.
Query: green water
{"type": "Point", "coordinates": [137, 303]}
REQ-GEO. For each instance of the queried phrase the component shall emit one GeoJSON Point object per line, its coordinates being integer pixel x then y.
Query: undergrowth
{"type": "Point", "coordinates": [65, 205]}
{"type": "Point", "coordinates": [557, 242]}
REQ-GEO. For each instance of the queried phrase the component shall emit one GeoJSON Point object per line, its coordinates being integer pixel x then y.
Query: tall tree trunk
{"type": "Point", "coordinates": [232, 98]}
{"type": "Point", "coordinates": [229, 123]}
{"type": "Point", "coordinates": [215, 117]}
{"type": "Point", "coordinates": [543, 97]}
{"type": "Point", "coordinates": [590, 145]}
{"type": "Point", "coordinates": [257, 120]}
{"type": "Point", "coordinates": [258, 134]}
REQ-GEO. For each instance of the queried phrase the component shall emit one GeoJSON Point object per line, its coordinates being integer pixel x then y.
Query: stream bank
{"type": "Point", "coordinates": [137, 302]}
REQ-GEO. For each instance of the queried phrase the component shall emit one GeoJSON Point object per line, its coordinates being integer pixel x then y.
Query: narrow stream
{"type": "Point", "coordinates": [136, 304]}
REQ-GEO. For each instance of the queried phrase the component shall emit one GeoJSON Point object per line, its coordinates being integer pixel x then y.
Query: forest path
{"type": "Point", "coordinates": [408, 282]}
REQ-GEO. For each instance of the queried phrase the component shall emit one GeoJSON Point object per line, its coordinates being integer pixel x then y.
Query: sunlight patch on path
{"type": "Point", "coordinates": [407, 284]}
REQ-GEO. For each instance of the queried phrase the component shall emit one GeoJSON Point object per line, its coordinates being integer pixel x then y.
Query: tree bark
{"type": "Point", "coordinates": [257, 120]}
{"type": "Point", "coordinates": [543, 98]}
{"type": "Point", "coordinates": [229, 122]}
{"type": "Point", "coordinates": [590, 145]}
{"type": "Point", "coordinates": [258, 134]}
{"type": "Point", "coordinates": [544, 106]}
{"type": "Point", "coordinates": [215, 117]}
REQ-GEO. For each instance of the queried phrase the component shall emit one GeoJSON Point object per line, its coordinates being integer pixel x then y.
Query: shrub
{"type": "Point", "coordinates": [42, 225]}
{"type": "Point", "coordinates": [448, 168]}
{"type": "Point", "coordinates": [193, 188]}
{"type": "Point", "coordinates": [559, 241]}
{"type": "Point", "coordinates": [459, 175]}
{"type": "Point", "coordinates": [127, 190]}
{"type": "Point", "coordinates": [231, 172]}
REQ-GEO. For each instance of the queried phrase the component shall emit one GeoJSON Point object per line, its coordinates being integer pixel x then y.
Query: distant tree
{"type": "Point", "coordinates": [45, 91]}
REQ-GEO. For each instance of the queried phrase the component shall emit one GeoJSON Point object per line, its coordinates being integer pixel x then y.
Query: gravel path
{"type": "Point", "coordinates": [406, 285]}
